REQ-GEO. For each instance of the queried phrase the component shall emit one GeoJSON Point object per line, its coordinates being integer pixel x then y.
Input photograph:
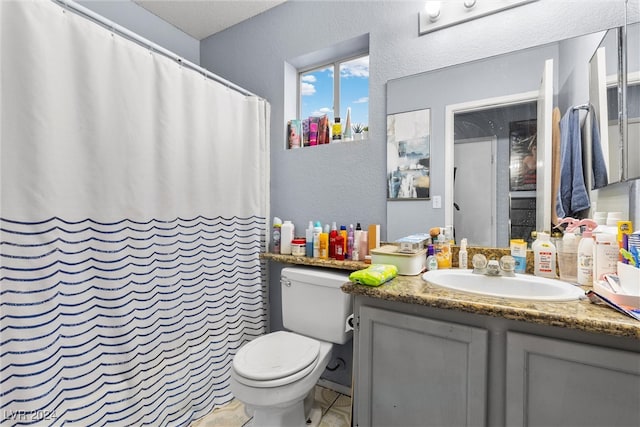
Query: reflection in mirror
{"type": "Point", "coordinates": [495, 174]}
{"type": "Point", "coordinates": [458, 96]}
{"type": "Point", "coordinates": [632, 145]}
{"type": "Point", "coordinates": [604, 100]}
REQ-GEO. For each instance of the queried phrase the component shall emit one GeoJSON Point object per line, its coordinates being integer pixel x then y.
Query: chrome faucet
{"type": "Point", "coordinates": [505, 267]}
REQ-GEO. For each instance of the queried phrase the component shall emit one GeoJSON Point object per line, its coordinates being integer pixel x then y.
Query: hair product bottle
{"type": "Point", "coordinates": [332, 240]}
{"type": "Point", "coordinates": [339, 247]}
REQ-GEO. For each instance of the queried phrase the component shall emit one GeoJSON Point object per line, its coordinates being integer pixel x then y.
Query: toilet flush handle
{"type": "Point", "coordinates": [285, 282]}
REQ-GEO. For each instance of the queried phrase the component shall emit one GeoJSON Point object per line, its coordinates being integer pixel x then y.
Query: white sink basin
{"type": "Point", "coordinates": [522, 286]}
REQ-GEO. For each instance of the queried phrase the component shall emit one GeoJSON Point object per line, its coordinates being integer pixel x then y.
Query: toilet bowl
{"type": "Point", "coordinates": [274, 375]}
{"type": "Point", "coordinates": [275, 395]}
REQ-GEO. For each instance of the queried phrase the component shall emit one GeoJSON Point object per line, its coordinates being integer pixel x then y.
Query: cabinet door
{"type": "Point", "coordinates": [559, 383]}
{"type": "Point", "coordinates": [414, 371]}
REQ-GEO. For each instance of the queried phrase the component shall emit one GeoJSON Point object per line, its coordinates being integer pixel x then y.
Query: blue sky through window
{"type": "Point", "coordinates": [316, 89]}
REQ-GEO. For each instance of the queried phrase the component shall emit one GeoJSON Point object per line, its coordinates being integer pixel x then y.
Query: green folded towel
{"type": "Point", "coordinates": [374, 275]}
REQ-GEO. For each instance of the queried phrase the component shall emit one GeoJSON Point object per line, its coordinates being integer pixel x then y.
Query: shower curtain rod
{"type": "Point", "coordinates": [99, 19]}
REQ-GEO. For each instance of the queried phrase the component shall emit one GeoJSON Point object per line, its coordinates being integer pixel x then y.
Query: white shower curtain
{"type": "Point", "coordinates": [133, 211]}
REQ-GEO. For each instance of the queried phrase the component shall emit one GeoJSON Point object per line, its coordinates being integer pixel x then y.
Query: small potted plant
{"type": "Point", "coordinates": [365, 132]}
{"type": "Point", "coordinates": [357, 128]}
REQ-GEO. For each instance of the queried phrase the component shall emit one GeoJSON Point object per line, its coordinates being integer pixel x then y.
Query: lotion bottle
{"type": "Point", "coordinates": [544, 256]}
{"type": "Point", "coordinates": [585, 256]}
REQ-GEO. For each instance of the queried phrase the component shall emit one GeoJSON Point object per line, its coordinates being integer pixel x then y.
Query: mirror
{"type": "Point", "coordinates": [632, 101]}
{"type": "Point", "coordinates": [455, 93]}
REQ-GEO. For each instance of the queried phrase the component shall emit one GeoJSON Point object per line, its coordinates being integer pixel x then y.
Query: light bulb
{"type": "Point", "coordinates": [432, 8]}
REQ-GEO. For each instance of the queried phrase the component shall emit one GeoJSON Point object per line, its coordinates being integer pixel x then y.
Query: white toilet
{"type": "Point", "coordinates": [274, 375]}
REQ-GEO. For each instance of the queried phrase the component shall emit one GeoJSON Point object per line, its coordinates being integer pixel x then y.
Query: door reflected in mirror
{"type": "Point", "coordinates": [495, 174]}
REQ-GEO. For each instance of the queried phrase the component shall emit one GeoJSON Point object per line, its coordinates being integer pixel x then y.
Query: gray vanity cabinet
{"type": "Point", "coordinates": [414, 371]}
{"type": "Point", "coordinates": [424, 366]}
{"type": "Point", "coordinates": [550, 382]}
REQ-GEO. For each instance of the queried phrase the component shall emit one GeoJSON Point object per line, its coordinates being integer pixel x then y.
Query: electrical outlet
{"type": "Point", "coordinates": [437, 202]}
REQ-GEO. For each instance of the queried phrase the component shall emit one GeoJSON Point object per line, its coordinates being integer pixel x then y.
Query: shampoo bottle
{"type": "Point", "coordinates": [544, 256]}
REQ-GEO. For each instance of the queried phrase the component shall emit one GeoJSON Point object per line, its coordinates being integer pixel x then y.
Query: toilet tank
{"type": "Point", "coordinates": [314, 305]}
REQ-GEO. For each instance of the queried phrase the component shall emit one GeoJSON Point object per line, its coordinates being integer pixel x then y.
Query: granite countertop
{"type": "Point", "coordinates": [582, 314]}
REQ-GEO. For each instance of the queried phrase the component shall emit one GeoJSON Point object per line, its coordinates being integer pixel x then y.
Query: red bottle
{"type": "Point", "coordinates": [339, 248]}
{"type": "Point", "coordinates": [332, 240]}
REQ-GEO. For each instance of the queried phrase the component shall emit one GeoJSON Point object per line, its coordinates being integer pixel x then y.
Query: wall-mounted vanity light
{"type": "Point", "coordinates": [442, 14]}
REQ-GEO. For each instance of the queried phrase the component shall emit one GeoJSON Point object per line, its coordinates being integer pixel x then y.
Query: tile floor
{"type": "Point", "coordinates": [336, 412]}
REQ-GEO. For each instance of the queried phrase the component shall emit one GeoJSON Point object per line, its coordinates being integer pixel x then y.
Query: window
{"type": "Point", "coordinates": [321, 93]}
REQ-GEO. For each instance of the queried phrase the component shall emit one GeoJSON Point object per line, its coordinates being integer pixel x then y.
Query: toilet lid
{"type": "Point", "coordinates": [275, 355]}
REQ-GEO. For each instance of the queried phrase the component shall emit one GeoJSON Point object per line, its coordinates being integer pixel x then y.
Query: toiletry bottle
{"type": "Point", "coordinates": [339, 247]}
{"type": "Point", "coordinates": [544, 256]}
{"type": "Point", "coordinates": [309, 237]}
{"type": "Point", "coordinates": [317, 230]}
{"type": "Point", "coordinates": [332, 240]}
{"type": "Point", "coordinates": [364, 245]}
{"type": "Point", "coordinates": [313, 133]}
{"type": "Point", "coordinates": [343, 233]}
{"type": "Point", "coordinates": [277, 225]}
{"type": "Point", "coordinates": [286, 236]}
{"type": "Point", "coordinates": [605, 255]}
{"type": "Point", "coordinates": [350, 242]}
{"type": "Point", "coordinates": [324, 245]}
{"type": "Point", "coordinates": [585, 254]}
{"type": "Point", "coordinates": [336, 129]}
{"type": "Point", "coordinates": [432, 262]}
{"type": "Point", "coordinates": [463, 261]}
{"type": "Point", "coordinates": [567, 250]}
{"type": "Point", "coordinates": [443, 252]}
{"type": "Point", "coordinates": [356, 243]}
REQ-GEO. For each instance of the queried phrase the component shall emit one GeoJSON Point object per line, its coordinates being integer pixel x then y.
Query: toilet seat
{"type": "Point", "coordinates": [276, 359]}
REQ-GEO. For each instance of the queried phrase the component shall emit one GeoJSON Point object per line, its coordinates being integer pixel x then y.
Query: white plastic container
{"type": "Point", "coordinates": [463, 258]}
{"type": "Point", "coordinates": [605, 256]}
{"type": "Point", "coordinates": [408, 264]}
{"type": "Point", "coordinates": [286, 236]}
{"type": "Point", "coordinates": [544, 256]}
{"type": "Point", "coordinates": [585, 259]}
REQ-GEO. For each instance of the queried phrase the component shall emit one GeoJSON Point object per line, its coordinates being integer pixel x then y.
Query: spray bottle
{"type": "Point", "coordinates": [463, 259]}
{"type": "Point", "coordinates": [585, 253]}
{"type": "Point", "coordinates": [567, 249]}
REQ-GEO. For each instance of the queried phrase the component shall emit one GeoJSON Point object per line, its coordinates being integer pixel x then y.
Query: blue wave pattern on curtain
{"type": "Point", "coordinates": [133, 205]}
{"type": "Point", "coordinates": [125, 322]}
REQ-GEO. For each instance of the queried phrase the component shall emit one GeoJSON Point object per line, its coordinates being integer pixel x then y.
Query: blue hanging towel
{"type": "Point", "coordinates": [598, 165]}
{"type": "Point", "coordinates": [572, 194]}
